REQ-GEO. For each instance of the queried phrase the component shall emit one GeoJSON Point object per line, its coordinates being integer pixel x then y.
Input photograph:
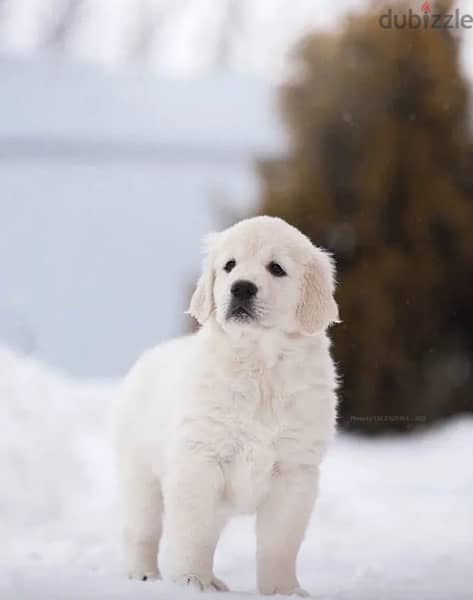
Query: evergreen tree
{"type": "Point", "coordinates": [380, 171]}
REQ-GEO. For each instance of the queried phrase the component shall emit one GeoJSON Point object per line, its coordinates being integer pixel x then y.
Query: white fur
{"type": "Point", "coordinates": [235, 418]}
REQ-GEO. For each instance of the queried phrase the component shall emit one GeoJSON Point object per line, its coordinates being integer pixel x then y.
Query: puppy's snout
{"type": "Point", "coordinates": [243, 290]}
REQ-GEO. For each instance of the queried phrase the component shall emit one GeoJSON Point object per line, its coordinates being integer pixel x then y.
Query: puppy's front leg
{"type": "Point", "coordinates": [192, 499]}
{"type": "Point", "coordinates": [280, 525]}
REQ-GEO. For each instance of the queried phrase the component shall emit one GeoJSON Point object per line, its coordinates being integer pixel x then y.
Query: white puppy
{"type": "Point", "coordinates": [235, 418]}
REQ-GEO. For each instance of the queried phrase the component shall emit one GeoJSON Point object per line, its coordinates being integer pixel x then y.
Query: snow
{"type": "Point", "coordinates": [394, 519]}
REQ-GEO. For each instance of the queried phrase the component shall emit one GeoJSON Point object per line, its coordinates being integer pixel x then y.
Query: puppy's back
{"type": "Point", "coordinates": [148, 398]}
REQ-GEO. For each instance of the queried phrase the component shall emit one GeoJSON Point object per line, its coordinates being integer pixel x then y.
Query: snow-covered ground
{"type": "Point", "coordinates": [394, 520]}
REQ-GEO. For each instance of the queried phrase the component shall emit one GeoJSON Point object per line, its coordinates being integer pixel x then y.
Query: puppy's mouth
{"type": "Point", "coordinates": [240, 311]}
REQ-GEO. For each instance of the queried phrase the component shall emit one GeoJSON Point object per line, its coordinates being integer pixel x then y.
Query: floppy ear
{"type": "Point", "coordinates": [317, 307]}
{"type": "Point", "coordinates": [202, 302]}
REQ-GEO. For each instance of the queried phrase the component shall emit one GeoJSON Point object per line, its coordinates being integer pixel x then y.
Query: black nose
{"type": "Point", "coordinates": [244, 290]}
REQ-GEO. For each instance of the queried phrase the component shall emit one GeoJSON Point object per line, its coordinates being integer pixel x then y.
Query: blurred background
{"type": "Point", "coordinates": [130, 128]}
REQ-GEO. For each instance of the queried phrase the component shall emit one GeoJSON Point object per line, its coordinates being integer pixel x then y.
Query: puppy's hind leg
{"type": "Point", "coordinates": [142, 511]}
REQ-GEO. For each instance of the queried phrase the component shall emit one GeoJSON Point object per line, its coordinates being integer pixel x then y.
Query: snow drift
{"type": "Point", "coordinates": [394, 520]}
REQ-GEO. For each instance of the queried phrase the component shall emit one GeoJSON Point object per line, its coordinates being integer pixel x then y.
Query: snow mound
{"type": "Point", "coordinates": [55, 462]}
{"type": "Point", "coordinates": [394, 518]}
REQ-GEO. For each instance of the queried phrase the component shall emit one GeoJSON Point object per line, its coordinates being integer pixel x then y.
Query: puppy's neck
{"type": "Point", "coordinates": [254, 347]}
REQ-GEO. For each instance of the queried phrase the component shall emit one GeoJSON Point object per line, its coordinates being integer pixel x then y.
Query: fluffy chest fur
{"type": "Point", "coordinates": [258, 407]}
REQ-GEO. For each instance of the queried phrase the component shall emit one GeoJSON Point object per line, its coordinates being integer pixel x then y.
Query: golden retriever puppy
{"type": "Point", "coordinates": [237, 417]}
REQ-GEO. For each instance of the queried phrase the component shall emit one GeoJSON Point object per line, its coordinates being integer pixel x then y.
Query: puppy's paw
{"type": "Point", "coordinates": [218, 585]}
{"type": "Point", "coordinates": [144, 575]}
{"type": "Point", "coordinates": [201, 584]}
{"type": "Point", "coordinates": [299, 592]}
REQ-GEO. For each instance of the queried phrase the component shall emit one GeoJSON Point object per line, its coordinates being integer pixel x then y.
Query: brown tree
{"type": "Point", "coordinates": [380, 171]}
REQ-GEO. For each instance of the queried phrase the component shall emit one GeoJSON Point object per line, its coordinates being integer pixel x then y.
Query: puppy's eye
{"type": "Point", "coordinates": [229, 265]}
{"type": "Point", "coordinates": [275, 269]}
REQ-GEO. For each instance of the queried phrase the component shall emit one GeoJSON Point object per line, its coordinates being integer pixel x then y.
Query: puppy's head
{"type": "Point", "coordinates": [262, 273]}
